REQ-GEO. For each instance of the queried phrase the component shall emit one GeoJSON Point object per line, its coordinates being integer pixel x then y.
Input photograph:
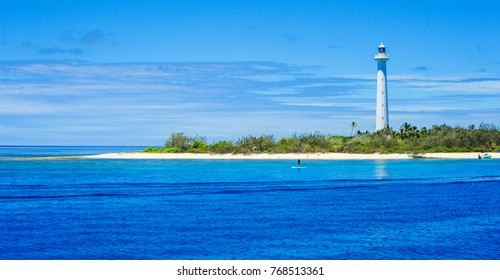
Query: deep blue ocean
{"type": "Point", "coordinates": [234, 209]}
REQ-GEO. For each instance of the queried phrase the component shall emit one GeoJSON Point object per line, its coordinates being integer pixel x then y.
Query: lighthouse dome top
{"type": "Point", "coordinates": [381, 55]}
{"type": "Point", "coordinates": [381, 48]}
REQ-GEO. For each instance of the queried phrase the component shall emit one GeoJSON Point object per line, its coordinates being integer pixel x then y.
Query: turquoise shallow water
{"type": "Point", "coordinates": [215, 209]}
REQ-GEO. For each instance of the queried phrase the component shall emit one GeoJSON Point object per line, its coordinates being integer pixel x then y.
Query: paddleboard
{"type": "Point", "coordinates": [297, 167]}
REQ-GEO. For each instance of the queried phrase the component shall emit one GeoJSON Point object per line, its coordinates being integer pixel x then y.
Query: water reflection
{"type": "Point", "coordinates": [381, 170]}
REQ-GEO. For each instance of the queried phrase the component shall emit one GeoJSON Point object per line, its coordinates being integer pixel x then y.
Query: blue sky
{"type": "Point", "coordinates": [132, 72]}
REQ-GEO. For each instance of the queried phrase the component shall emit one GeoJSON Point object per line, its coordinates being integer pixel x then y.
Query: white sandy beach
{"type": "Point", "coordinates": [294, 156]}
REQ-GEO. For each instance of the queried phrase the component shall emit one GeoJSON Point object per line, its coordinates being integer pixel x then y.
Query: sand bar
{"type": "Point", "coordinates": [294, 156]}
{"type": "Point", "coordinates": [291, 156]}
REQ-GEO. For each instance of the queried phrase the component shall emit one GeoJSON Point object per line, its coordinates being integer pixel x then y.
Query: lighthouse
{"type": "Point", "coordinates": [382, 115]}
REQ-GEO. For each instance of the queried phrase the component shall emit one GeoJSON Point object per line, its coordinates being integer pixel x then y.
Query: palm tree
{"type": "Point", "coordinates": [353, 126]}
{"type": "Point", "coordinates": [405, 130]}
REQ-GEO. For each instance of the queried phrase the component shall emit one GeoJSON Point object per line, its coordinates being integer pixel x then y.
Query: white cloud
{"type": "Point", "coordinates": [16, 107]}
{"type": "Point", "coordinates": [219, 99]}
{"type": "Point", "coordinates": [269, 78]}
{"type": "Point", "coordinates": [456, 86]}
{"type": "Point", "coordinates": [467, 82]}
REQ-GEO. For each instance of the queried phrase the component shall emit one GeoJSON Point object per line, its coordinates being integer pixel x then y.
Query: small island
{"type": "Point", "coordinates": [439, 141]}
{"type": "Point", "coordinates": [407, 140]}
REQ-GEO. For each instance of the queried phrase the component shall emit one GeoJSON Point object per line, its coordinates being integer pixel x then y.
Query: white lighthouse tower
{"type": "Point", "coordinates": [382, 116]}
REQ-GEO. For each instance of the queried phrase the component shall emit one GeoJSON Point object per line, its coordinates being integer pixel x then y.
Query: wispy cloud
{"type": "Point", "coordinates": [28, 45]}
{"type": "Point", "coordinates": [334, 46]}
{"type": "Point", "coordinates": [457, 84]}
{"type": "Point", "coordinates": [60, 51]}
{"type": "Point", "coordinates": [290, 38]}
{"type": "Point", "coordinates": [95, 37]}
{"type": "Point", "coordinates": [472, 83]}
{"type": "Point", "coordinates": [90, 37]}
{"type": "Point", "coordinates": [420, 68]}
{"type": "Point", "coordinates": [71, 43]}
{"type": "Point", "coordinates": [220, 100]}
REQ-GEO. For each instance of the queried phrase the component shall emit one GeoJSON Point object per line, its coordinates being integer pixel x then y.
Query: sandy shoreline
{"type": "Point", "coordinates": [294, 156]}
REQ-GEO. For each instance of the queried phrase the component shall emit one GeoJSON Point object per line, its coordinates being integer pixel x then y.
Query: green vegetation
{"type": "Point", "coordinates": [408, 139]}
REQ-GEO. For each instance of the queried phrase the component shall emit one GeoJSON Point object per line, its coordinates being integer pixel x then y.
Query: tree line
{"type": "Point", "coordinates": [408, 139]}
